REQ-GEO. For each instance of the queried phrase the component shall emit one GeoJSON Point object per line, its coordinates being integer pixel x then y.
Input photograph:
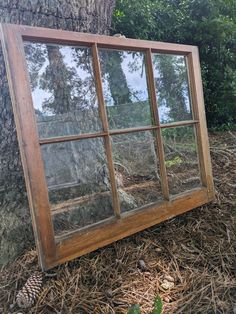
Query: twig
{"type": "Point", "coordinates": [232, 134]}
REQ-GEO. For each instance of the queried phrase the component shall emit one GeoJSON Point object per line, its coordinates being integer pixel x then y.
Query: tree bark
{"type": "Point", "coordinates": [85, 16]}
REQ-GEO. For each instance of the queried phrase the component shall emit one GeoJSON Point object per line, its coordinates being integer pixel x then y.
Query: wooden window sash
{"type": "Point", "coordinates": [54, 250]}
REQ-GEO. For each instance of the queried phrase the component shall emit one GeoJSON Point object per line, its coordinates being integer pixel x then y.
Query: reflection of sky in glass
{"type": "Point", "coordinates": [70, 57]}
{"type": "Point", "coordinates": [136, 79]}
{"type": "Point", "coordinates": [164, 112]}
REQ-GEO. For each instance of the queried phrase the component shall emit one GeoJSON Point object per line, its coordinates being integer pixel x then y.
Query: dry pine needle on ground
{"type": "Point", "coordinates": [195, 253]}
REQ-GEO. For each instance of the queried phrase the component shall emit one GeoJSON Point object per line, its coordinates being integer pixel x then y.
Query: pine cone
{"type": "Point", "coordinates": [27, 296]}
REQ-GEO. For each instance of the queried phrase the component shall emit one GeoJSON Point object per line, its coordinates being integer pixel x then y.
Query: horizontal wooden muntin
{"type": "Point", "coordinates": [69, 138]}
{"type": "Point", "coordinates": [58, 249]}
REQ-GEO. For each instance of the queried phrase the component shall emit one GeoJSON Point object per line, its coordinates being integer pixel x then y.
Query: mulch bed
{"type": "Point", "coordinates": [196, 250]}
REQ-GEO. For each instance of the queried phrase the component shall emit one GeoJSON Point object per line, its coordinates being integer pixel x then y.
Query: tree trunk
{"type": "Point", "coordinates": [85, 16]}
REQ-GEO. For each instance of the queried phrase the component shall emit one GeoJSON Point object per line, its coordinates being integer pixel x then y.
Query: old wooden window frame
{"type": "Point", "coordinates": [53, 251]}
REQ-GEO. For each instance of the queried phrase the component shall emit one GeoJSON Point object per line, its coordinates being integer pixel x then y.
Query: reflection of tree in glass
{"type": "Point", "coordinates": [172, 87]}
{"type": "Point", "coordinates": [64, 74]}
{"type": "Point", "coordinates": [35, 57]}
{"type": "Point", "coordinates": [58, 80]}
{"type": "Point", "coordinates": [125, 88]}
{"type": "Point", "coordinates": [111, 63]}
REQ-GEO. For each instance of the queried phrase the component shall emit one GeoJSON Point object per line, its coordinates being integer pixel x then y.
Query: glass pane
{"type": "Point", "coordinates": [137, 169]}
{"type": "Point", "coordinates": [63, 89]}
{"type": "Point", "coordinates": [172, 89]}
{"type": "Point", "coordinates": [125, 88]}
{"type": "Point", "coordinates": [78, 183]}
{"type": "Point", "coordinates": [181, 159]}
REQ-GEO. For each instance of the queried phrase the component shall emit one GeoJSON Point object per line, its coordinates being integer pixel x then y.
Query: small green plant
{"type": "Point", "coordinates": [134, 309]}
{"type": "Point", "coordinates": [157, 307]}
{"type": "Point", "coordinates": [176, 161]}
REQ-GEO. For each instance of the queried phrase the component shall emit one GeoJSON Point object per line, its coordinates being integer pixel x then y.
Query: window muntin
{"type": "Point", "coordinates": [172, 87]}
{"type": "Point", "coordinates": [125, 90]}
{"type": "Point", "coordinates": [63, 89]}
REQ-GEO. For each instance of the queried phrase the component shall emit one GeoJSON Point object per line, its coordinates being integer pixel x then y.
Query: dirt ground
{"type": "Point", "coordinates": [195, 253]}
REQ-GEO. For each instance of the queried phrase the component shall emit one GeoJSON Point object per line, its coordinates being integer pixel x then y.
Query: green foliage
{"type": "Point", "coordinates": [134, 309]}
{"type": "Point", "coordinates": [184, 133]}
{"type": "Point", "coordinates": [209, 24]}
{"type": "Point", "coordinates": [175, 161]}
{"type": "Point", "coordinates": [157, 307]}
{"type": "Point", "coordinates": [223, 127]}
